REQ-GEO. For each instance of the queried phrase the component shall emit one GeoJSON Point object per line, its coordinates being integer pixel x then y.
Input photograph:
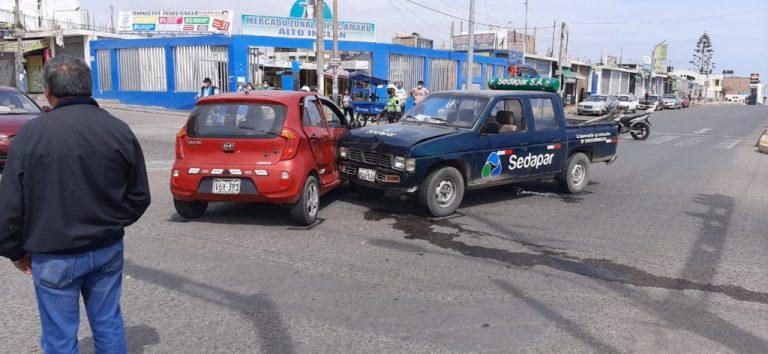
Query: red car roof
{"type": "Point", "coordinates": [276, 96]}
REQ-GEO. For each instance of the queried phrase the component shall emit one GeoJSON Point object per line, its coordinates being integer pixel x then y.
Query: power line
{"type": "Point", "coordinates": [464, 19]}
{"type": "Point", "coordinates": [672, 20]}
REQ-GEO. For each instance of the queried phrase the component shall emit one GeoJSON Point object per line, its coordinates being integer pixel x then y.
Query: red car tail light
{"type": "Point", "coordinates": [180, 143]}
{"type": "Point", "coordinates": [292, 141]}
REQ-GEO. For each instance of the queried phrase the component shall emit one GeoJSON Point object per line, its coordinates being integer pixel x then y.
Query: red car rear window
{"type": "Point", "coordinates": [235, 120]}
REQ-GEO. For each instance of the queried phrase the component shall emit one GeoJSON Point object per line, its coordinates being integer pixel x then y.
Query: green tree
{"type": "Point", "coordinates": [703, 54]}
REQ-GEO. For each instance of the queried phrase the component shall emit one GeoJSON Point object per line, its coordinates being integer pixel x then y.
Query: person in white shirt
{"type": "Point", "coordinates": [419, 92]}
{"type": "Point", "coordinates": [401, 95]}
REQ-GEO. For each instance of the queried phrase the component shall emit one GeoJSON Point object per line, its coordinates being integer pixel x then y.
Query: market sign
{"type": "Point", "coordinates": [483, 41]}
{"type": "Point", "coordinates": [294, 27]}
{"type": "Point", "coordinates": [176, 22]}
{"type": "Point", "coordinates": [524, 84]}
{"type": "Point", "coordinates": [26, 46]}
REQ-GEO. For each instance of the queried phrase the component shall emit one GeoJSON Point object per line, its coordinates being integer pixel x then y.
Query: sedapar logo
{"type": "Point", "coordinates": [492, 167]}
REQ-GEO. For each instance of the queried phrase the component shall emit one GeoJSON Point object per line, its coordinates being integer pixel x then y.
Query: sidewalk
{"type": "Point", "coordinates": [115, 104]}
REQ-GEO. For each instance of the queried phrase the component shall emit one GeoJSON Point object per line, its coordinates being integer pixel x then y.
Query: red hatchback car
{"type": "Point", "coordinates": [267, 147]}
{"type": "Point", "coordinates": [16, 109]}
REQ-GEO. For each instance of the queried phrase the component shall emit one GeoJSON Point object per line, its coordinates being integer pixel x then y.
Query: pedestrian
{"type": "Point", "coordinates": [346, 104]}
{"type": "Point", "coordinates": [265, 85]}
{"type": "Point", "coordinates": [207, 89]}
{"type": "Point", "coordinates": [241, 88]}
{"type": "Point", "coordinates": [402, 96]}
{"type": "Point", "coordinates": [73, 180]}
{"type": "Point", "coordinates": [305, 88]}
{"type": "Point", "coordinates": [392, 108]}
{"type": "Point", "coordinates": [419, 92]}
{"type": "Point", "coordinates": [249, 87]}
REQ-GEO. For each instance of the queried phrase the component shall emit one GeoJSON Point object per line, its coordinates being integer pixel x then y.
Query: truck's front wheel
{"type": "Point", "coordinates": [575, 177]}
{"type": "Point", "coordinates": [442, 191]}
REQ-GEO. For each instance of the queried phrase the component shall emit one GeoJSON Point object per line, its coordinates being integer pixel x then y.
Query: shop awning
{"type": "Point", "coordinates": [568, 74]}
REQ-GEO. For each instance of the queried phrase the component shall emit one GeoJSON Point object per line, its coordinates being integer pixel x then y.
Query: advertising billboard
{"type": "Point", "coordinates": [176, 22]}
{"type": "Point", "coordinates": [296, 27]}
{"type": "Point", "coordinates": [483, 41]}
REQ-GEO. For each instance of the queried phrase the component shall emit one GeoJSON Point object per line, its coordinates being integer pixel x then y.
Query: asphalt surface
{"type": "Point", "coordinates": [665, 252]}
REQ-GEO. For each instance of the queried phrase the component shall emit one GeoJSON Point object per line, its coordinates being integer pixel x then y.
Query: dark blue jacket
{"type": "Point", "coordinates": [75, 177]}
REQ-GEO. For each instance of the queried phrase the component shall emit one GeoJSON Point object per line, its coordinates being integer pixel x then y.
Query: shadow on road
{"type": "Point", "coordinates": [573, 328]}
{"type": "Point", "coordinates": [688, 311]}
{"type": "Point", "coordinates": [259, 309]}
{"type": "Point", "coordinates": [137, 339]}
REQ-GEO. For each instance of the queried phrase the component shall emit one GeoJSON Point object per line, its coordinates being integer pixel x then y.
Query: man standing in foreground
{"type": "Point", "coordinates": [74, 179]}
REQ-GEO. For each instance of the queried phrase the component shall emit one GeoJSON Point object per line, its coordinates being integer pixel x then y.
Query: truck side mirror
{"type": "Point", "coordinates": [489, 128]}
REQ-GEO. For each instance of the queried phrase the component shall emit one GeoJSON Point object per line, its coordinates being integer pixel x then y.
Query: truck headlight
{"type": "Point", "coordinates": [410, 165]}
{"type": "Point", "coordinates": [343, 152]}
{"type": "Point", "coordinates": [398, 163]}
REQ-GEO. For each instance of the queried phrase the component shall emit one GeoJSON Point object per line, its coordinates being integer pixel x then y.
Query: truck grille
{"type": "Point", "coordinates": [370, 158]}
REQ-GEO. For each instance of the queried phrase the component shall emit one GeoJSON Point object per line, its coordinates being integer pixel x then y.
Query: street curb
{"type": "Point", "coordinates": [145, 109]}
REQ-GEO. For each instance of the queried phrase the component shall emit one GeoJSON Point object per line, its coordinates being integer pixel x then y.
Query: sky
{"type": "Point", "coordinates": [624, 28]}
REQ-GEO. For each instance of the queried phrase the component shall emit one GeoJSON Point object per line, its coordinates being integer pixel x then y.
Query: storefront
{"type": "Point", "coordinates": [168, 72]}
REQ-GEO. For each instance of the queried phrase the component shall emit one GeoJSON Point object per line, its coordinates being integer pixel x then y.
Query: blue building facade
{"type": "Point", "coordinates": [161, 72]}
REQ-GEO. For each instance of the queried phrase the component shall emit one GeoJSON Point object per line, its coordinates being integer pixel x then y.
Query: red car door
{"type": "Point", "coordinates": [320, 139]}
{"type": "Point", "coordinates": [337, 126]}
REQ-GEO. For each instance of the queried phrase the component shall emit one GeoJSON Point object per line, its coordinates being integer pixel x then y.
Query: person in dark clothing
{"type": "Point", "coordinates": [74, 179]}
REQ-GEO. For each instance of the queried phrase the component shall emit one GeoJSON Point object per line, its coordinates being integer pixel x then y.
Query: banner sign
{"type": "Point", "coordinates": [26, 46]}
{"type": "Point", "coordinates": [483, 41]}
{"type": "Point", "coordinates": [524, 84]}
{"type": "Point", "coordinates": [170, 22]}
{"type": "Point", "coordinates": [293, 27]}
{"type": "Point", "coordinates": [660, 58]}
{"type": "Point", "coordinates": [515, 57]}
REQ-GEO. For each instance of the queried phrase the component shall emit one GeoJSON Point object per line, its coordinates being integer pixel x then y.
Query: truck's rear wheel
{"type": "Point", "coordinates": [442, 191]}
{"type": "Point", "coordinates": [190, 210]}
{"type": "Point", "coordinates": [575, 177]}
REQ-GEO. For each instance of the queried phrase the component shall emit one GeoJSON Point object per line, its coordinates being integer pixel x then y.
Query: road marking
{"type": "Point", "coordinates": [727, 144]}
{"type": "Point", "coordinates": [715, 136]}
{"type": "Point", "coordinates": [702, 131]}
{"type": "Point", "coordinates": [691, 141]}
{"type": "Point", "coordinates": [662, 139]}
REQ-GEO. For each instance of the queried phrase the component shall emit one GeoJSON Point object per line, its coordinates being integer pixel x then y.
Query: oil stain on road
{"type": "Point", "coordinates": [416, 227]}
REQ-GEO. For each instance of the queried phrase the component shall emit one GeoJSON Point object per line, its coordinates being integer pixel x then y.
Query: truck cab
{"type": "Point", "coordinates": [462, 140]}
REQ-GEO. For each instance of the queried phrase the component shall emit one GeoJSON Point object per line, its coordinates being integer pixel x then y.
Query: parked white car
{"type": "Point", "coordinates": [670, 101]}
{"type": "Point", "coordinates": [598, 104]}
{"type": "Point", "coordinates": [628, 102]}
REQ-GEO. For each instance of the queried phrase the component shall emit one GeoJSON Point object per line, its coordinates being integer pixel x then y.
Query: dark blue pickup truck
{"type": "Point", "coordinates": [460, 140]}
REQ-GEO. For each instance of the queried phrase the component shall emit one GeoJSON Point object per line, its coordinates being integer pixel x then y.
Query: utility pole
{"type": "Point", "coordinates": [560, 59]}
{"type": "Point", "coordinates": [525, 39]}
{"type": "Point", "coordinates": [112, 17]}
{"type": "Point", "coordinates": [471, 49]}
{"type": "Point", "coordinates": [554, 27]}
{"type": "Point", "coordinates": [19, 48]}
{"type": "Point", "coordinates": [320, 52]}
{"type": "Point", "coordinates": [336, 51]}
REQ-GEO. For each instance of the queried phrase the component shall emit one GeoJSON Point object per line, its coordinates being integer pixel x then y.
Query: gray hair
{"type": "Point", "coordinates": [66, 76]}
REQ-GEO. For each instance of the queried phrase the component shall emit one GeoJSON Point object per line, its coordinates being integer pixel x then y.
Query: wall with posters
{"type": "Point", "coordinates": [175, 22]}
{"type": "Point", "coordinates": [238, 66]}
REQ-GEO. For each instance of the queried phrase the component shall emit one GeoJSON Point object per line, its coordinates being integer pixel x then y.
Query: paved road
{"type": "Point", "coordinates": [666, 252]}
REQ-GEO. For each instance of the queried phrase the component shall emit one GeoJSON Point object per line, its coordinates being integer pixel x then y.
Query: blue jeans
{"type": "Point", "coordinates": [59, 281]}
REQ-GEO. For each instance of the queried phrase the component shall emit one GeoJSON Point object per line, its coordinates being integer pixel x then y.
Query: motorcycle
{"type": "Point", "coordinates": [638, 126]}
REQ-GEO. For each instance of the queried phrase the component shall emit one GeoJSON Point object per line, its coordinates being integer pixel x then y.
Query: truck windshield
{"type": "Point", "coordinates": [623, 98]}
{"type": "Point", "coordinates": [236, 120]}
{"type": "Point", "coordinates": [596, 98]}
{"type": "Point", "coordinates": [456, 110]}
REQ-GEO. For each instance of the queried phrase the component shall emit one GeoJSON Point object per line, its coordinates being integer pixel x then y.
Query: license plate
{"type": "Point", "coordinates": [366, 174]}
{"type": "Point", "coordinates": [226, 186]}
